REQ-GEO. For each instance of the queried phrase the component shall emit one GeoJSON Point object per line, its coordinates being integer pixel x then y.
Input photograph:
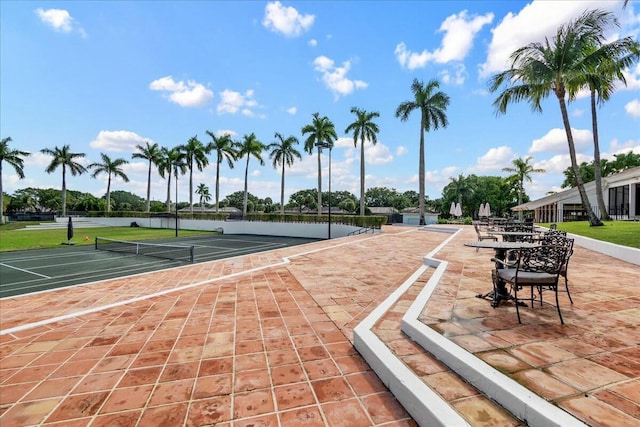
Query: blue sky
{"type": "Point", "coordinates": [103, 76]}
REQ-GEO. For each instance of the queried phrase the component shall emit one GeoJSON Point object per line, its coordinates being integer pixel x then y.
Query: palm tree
{"type": "Point", "coordinates": [65, 158]}
{"type": "Point", "coordinates": [556, 66]}
{"type": "Point", "coordinates": [111, 168]}
{"type": "Point", "coordinates": [522, 171]}
{"type": "Point", "coordinates": [167, 164]}
{"type": "Point", "coordinates": [321, 131]}
{"type": "Point", "coordinates": [195, 153]}
{"type": "Point", "coordinates": [203, 191]}
{"type": "Point", "coordinates": [601, 80]}
{"type": "Point", "coordinates": [250, 146]}
{"type": "Point", "coordinates": [153, 154]}
{"type": "Point", "coordinates": [365, 129]}
{"type": "Point", "coordinates": [13, 158]}
{"type": "Point", "coordinates": [432, 105]}
{"type": "Point", "coordinates": [225, 149]}
{"type": "Point", "coordinates": [283, 153]}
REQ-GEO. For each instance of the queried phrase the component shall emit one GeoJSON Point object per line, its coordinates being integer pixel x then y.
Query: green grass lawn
{"type": "Point", "coordinates": [626, 233]}
{"type": "Point", "coordinates": [13, 236]}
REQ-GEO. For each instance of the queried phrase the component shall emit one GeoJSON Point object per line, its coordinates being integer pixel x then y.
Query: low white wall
{"type": "Point", "coordinates": [289, 229]}
{"type": "Point", "coordinates": [624, 253]}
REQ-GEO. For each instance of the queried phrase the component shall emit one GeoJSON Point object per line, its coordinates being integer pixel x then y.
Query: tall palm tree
{"type": "Point", "coordinates": [169, 159]}
{"type": "Point", "coordinates": [321, 131]}
{"type": "Point", "coordinates": [111, 168]}
{"type": "Point", "coordinates": [13, 158]}
{"type": "Point", "coordinates": [249, 147]}
{"type": "Point", "coordinates": [153, 154]}
{"type": "Point", "coordinates": [432, 105]}
{"type": "Point", "coordinates": [364, 129]}
{"type": "Point", "coordinates": [601, 81]}
{"type": "Point", "coordinates": [65, 158]}
{"type": "Point", "coordinates": [557, 65]}
{"type": "Point", "coordinates": [283, 152]}
{"type": "Point", "coordinates": [203, 191]}
{"type": "Point", "coordinates": [195, 153]}
{"type": "Point", "coordinates": [522, 170]}
{"type": "Point", "coordinates": [225, 149]}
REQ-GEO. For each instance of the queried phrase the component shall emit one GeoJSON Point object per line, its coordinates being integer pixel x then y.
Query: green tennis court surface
{"type": "Point", "coordinates": [23, 272]}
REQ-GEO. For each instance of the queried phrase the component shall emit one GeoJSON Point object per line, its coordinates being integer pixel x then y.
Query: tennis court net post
{"type": "Point", "coordinates": [158, 250]}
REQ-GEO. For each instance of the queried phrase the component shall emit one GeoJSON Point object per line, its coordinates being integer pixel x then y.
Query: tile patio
{"type": "Point", "coordinates": [264, 340]}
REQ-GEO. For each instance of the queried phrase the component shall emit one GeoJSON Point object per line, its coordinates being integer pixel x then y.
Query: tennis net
{"type": "Point", "coordinates": [172, 252]}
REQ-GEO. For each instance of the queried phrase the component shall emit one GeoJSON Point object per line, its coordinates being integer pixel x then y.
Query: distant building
{"type": "Point", "coordinates": [198, 209]}
{"type": "Point", "coordinates": [411, 216]}
{"type": "Point", "coordinates": [621, 194]}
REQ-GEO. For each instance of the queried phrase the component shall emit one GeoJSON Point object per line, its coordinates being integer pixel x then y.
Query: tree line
{"type": "Point", "coordinates": [577, 57]}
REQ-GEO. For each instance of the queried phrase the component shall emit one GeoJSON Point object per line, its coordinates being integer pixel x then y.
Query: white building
{"type": "Point", "coordinates": [621, 194]}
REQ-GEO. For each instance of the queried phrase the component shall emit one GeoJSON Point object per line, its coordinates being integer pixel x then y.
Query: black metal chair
{"type": "Point", "coordinates": [537, 268]}
{"type": "Point", "coordinates": [482, 236]}
{"type": "Point", "coordinates": [558, 237]}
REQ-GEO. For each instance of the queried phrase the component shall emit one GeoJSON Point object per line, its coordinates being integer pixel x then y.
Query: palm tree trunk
{"type": "Point", "coordinates": [520, 191]}
{"type": "Point", "coordinates": [246, 192]}
{"type": "Point", "coordinates": [191, 187]}
{"type": "Point", "coordinates": [64, 190]}
{"type": "Point", "coordinates": [169, 192]}
{"type": "Point", "coordinates": [593, 220]}
{"type": "Point", "coordinates": [217, 183]}
{"type": "Point", "coordinates": [362, 177]}
{"type": "Point", "coordinates": [149, 188]}
{"type": "Point", "coordinates": [109, 193]}
{"type": "Point", "coordinates": [319, 183]}
{"type": "Point", "coordinates": [282, 190]}
{"type": "Point", "coordinates": [597, 167]}
{"type": "Point", "coordinates": [421, 173]}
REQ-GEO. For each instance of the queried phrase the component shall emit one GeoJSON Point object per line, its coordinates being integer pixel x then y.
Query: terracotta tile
{"type": "Point", "coordinates": [618, 363]}
{"type": "Point", "coordinates": [312, 353]}
{"type": "Point", "coordinates": [29, 413]}
{"type": "Point", "coordinates": [223, 365]}
{"type": "Point", "coordinates": [140, 376]}
{"type": "Point", "coordinates": [481, 411]}
{"type": "Point", "coordinates": [364, 383]}
{"type": "Point", "coordinates": [252, 403]}
{"type": "Point", "coordinates": [543, 384]}
{"type": "Point", "coordinates": [129, 418]}
{"type": "Point", "coordinates": [449, 385]}
{"type": "Point", "coordinates": [165, 416]}
{"type": "Point", "coordinates": [146, 359]}
{"type": "Point", "coordinates": [596, 413]}
{"type": "Point", "coordinates": [287, 374]}
{"type": "Point", "coordinates": [52, 357]}
{"type": "Point", "coordinates": [584, 375]}
{"type": "Point", "coordinates": [252, 346]}
{"type": "Point", "coordinates": [282, 357]}
{"type": "Point", "coordinates": [246, 362]}
{"type": "Point", "coordinates": [30, 374]}
{"type": "Point", "coordinates": [331, 389]}
{"type": "Point", "coordinates": [123, 399]}
{"type": "Point", "coordinates": [352, 364]}
{"type": "Point", "coordinates": [113, 363]}
{"type": "Point", "coordinates": [179, 371]}
{"type": "Point", "coordinates": [251, 380]}
{"type": "Point", "coordinates": [503, 361]}
{"type": "Point", "coordinates": [213, 385]}
{"type": "Point", "coordinates": [293, 396]}
{"type": "Point", "coordinates": [619, 402]}
{"type": "Point", "coordinates": [270, 420]}
{"type": "Point", "coordinates": [309, 417]}
{"type": "Point", "coordinates": [346, 413]}
{"type": "Point", "coordinates": [97, 382]}
{"type": "Point", "coordinates": [324, 368]}
{"type": "Point", "coordinates": [424, 364]}
{"type": "Point", "coordinates": [171, 392]}
{"type": "Point", "coordinates": [383, 408]}
{"type": "Point", "coordinates": [209, 411]}
{"type": "Point", "coordinates": [51, 388]}
{"type": "Point", "coordinates": [14, 392]}
{"type": "Point", "coordinates": [78, 406]}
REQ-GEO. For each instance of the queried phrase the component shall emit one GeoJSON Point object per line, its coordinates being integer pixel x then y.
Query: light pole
{"type": "Point", "coordinates": [328, 145]}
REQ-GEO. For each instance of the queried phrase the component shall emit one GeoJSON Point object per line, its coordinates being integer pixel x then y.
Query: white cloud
{"type": "Point", "coordinates": [37, 159]}
{"type": "Point", "coordinates": [313, 43]}
{"type": "Point", "coordinates": [537, 20]}
{"type": "Point", "coordinates": [189, 94]}
{"type": "Point", "coordinates": [335, 78]}
{"type": "Point", "coordinates": [633, 108]}
{"type": "Point", "coordinates": [231, 102]}
{"type": "Point", "coordinates": [286, 20]}
{"type": "Point", "coordinates": [118, 140]}
{"type": "Point", "coordinates": [60, 20]}
{"type": "Point", "coordinates": [577, 113]}
{"type": "Point", "coordinates": [401, 151]}
{"type": "Point", "coordinates": [229, 132]}
{"type": "Point", "coordinates": [455, 76]}
{"type": "Point", "coordinates": [556, 141]}
{"type": "Point", "coordinates": [292, 110]}
{"type": "Point", "coordinates": [559, 163]}
{"type": "Point", "coordinates": [378, 154]}
{"type": "Point", "coordinates": [494, 159]}
{"type": "Point", "coordinates": [459, 31]}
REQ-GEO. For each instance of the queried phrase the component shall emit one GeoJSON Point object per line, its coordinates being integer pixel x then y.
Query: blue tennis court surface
{"type": "Point", "coordinates": [23, 272]}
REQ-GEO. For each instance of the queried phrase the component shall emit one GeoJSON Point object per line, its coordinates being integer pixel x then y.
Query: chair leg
{"type": "Point", "coordinates": [515, 295]}
{"type": "Point", "coordinates": [558, 306]}
{"type": "Point", "coordinates": [566, 286]}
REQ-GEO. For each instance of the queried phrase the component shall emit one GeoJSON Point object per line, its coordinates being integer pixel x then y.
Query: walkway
{"type": "Point", "coordinates": [258, 340]}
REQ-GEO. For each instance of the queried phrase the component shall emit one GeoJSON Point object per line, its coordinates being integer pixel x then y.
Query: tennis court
{"type": "Point", "coordinates": [23, 272]}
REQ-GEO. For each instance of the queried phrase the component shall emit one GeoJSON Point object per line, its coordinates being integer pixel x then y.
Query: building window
{"type": "Point", "coordinates": [619, 201]}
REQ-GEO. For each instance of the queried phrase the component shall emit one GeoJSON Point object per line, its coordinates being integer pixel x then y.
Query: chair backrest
{"type": "Point", "coordinates": [542, 259]}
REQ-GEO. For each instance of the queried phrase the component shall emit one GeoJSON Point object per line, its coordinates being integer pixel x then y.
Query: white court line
{"type": "Point", "coordinates": [23, 270]}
